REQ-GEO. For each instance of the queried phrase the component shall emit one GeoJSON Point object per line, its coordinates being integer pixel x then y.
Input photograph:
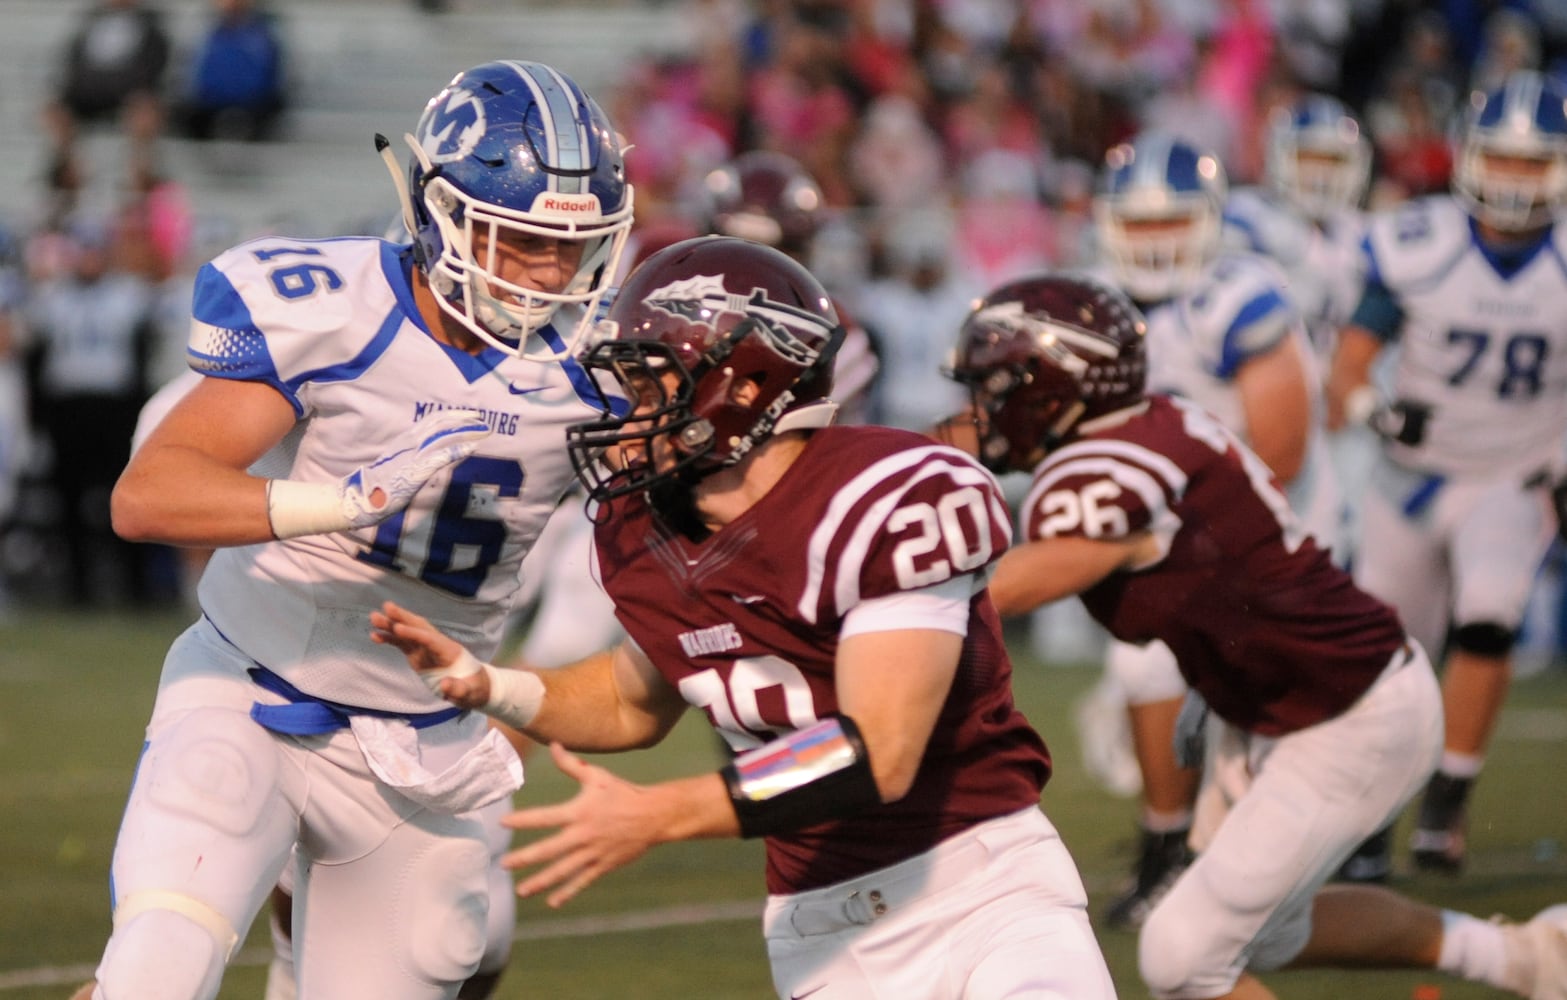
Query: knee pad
{"type": "Point", "coordinates": [1146, 673]}
{"type": "Point", "coordinates": [448, 911]}
{"type": "Point", "coordinates": [501, 921]}
{"type": "Point", "coordinates": [1170, 957]}
{"type": "Point", "coordinates": [1484, 638]}
{"type": "Point", "coordinates": [165, 947]}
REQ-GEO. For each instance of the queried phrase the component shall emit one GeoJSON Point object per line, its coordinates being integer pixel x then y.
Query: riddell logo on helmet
{"type": "Point", "coordinates": [565, 204]}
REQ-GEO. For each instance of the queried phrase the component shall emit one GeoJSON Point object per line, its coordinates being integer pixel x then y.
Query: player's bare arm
{"type": "Point", "coordinates": [188, 485]}
{"type": "Point", "coordinates": [1277, 402]}
{"type": "Point", "coordinates": [1048, 569]}
{"type": "Point", "coordinates": [609, 702]}
{"type": "Point", "coordinates": [893, 684]}
{"type": "Point", "coordinates": [1350, 378]}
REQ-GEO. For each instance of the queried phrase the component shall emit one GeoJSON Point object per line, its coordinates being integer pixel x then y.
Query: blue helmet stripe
{"type": "Point", "coordinates": [565, 143]}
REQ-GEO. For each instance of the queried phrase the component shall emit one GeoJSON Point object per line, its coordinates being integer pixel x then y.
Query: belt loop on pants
{"type": "Point", "coordinates": [857, 909]}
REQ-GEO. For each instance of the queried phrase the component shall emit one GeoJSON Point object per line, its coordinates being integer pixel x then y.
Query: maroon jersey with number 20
{"type": "Point", "coordinates": [745, 625]}
{"type": "Point", "coordinates": [1263, 625]}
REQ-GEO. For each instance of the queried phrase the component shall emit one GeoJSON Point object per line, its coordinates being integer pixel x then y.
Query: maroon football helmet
{"type": "Point", "coordinates": [719, 344]}
{"type": "Point", "coordinates": [767, 197]}
{"type": "Point", "coordinates": [1040, 355]}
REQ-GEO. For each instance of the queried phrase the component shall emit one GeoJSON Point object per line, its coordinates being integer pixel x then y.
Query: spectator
{"type": "Point", "coordinates": [93, 338]}
{"type": "Point", "coordinates": [113, 67]}
{"type": "Point", "coordinates": [236, 87]}
{"type": "Point", "coordinates": [915, 309]}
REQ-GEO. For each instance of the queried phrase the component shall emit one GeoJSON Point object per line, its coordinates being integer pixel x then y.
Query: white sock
{"type": "Point", "coordinates": [1460, 765]}
{"type": "Point", "coordinates": [1166, 822]}
{"type": "Point", "coordinates": [1473, 948]}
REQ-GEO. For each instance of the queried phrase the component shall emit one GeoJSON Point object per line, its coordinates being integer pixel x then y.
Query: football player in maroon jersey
{"type": "Point", "coordinates": [1168, 528]}
{"type": "Point", "coordinates": [819, 593]}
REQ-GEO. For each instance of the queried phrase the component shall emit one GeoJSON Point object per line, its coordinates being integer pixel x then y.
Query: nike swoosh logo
{"type": "Point", "coordinates": [517, 390]}
{"type": "Point", "coordinates": [802, 996]}
{"type": "Point", "coordinates": [748, 599]}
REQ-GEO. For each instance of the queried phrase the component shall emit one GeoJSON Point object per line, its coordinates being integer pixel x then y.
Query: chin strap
{"type": "Point", "coordinates": [383, 146]}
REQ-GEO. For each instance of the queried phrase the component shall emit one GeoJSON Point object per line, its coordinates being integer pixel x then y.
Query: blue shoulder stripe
{"type": "Point", "coordinates": [224, 341]}
{"type": "Point", "coordinates": [1237, 348]}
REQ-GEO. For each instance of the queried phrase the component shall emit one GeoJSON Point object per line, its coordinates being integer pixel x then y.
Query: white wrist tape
{"type": "Point", "coordinates": [515, 696]}
{"type": "Point", "coordinates": [466, 666]}
{"type": "Point", "coordinates": [296, 508]}
{"type": "Point", "coordinates": [1359, 405]}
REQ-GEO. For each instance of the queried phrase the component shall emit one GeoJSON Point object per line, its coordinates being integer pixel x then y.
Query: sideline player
{"type": "Point", "coordinates": [1473, 289]}
{"type": "Point", "coordinates": [1169, 528]}
{"type": "Point", "coordinates": [818, 592]}
{"type": "Point", "coordinates": [410, 406]}
{"type": "Point", "coordinates": [1223, 331]}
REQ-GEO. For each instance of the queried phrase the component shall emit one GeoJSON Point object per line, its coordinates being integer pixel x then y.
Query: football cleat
{"type": "Point", "coordinates": [1372, 861]}
{"type": "Point", "coordinates": [1438, 842]}
{"type": "Point", "coordinates": [1162, 857]}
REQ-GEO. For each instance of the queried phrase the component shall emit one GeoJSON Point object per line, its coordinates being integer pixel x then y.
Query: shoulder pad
{"type": "Point", "coordinates": [277, 309]}
{"type": "Point", "coordinates": [1415, 240]}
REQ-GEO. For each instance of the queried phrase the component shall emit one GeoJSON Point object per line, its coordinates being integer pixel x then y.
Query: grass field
{"type": "Point", "coordinates": [75, 692]}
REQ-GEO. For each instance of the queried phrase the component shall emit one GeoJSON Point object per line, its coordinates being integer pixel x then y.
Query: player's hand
{"type": "Point", "coordinates": [376, 491]}
{"type": "Point", "coordinates": [434, 655]}
{"type": "Point", "coordinates": [606, 826]}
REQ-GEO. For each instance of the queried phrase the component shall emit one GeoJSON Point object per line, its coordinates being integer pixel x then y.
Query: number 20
{"type": "Point", "coordinates": [940, 525]}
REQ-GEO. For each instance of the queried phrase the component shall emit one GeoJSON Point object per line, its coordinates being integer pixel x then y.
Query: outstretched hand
{"type": "Point", "coordinates": [607, 825]}
{"type": "Point", "coordinates": [435, 656]}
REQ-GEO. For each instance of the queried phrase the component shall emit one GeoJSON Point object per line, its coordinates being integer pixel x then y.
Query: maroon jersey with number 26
{"type": "Point", "coordinates": [745, 624]}
{"type": "Point", "coordinates": [1263, 625]}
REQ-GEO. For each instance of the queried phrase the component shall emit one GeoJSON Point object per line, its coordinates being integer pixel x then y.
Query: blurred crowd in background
{"type": "Point", "coordinates": [955, 142]}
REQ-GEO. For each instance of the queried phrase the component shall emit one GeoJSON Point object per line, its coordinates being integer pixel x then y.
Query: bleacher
{"type": "Point", "coordinates": [359, 67]}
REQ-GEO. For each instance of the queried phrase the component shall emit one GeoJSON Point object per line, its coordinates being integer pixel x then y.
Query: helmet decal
{"type": "Point", "coordinates": [703, 297]}
{"type": "Point", "coordinates": [453, 128]}
{"type": "Point", "coordinates": [721, 343]}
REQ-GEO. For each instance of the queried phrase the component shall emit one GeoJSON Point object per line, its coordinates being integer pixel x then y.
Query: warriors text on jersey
{"type": "Point", "coordinates": [332, 325]}
{"type": "Point", "coordinates": [745, 624]}
{"type": "Point", "coordinates": [1262, 624]}
{"type": "Point", "coordinates": [1482, 338]}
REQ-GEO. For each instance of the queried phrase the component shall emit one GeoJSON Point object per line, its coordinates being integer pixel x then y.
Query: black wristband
{"type": "Point", "coordinates": [810, 776]}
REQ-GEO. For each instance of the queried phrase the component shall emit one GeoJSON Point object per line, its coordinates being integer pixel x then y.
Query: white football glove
{"type": "Point", "coordinates": [448, 437]}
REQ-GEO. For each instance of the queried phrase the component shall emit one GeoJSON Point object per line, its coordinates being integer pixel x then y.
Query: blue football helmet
{"type": "Point", "coordinates": [516, 148]}
{"type": "Point", "coordinates": [1318, 157]}
{"type": "Point", "coordinates": [1158, 214]}
{"type": "Point", "coordinates": [1512, 161]}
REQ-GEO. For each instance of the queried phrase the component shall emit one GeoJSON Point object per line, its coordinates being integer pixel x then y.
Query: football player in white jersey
{"type": "Point", "coordinates": [1307, 218]}
{"type": "Point", "coordinates": [1224, 332]}
{"type": "Point", "coordinates": [1473, 289]}
{"type": "Point", "coordinates": [376, 422]}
